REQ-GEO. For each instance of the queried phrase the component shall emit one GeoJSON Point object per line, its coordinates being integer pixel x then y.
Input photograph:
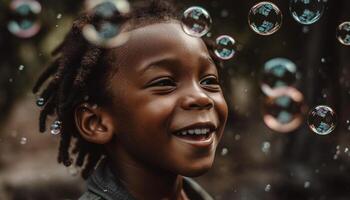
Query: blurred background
{"type": "Point", "coordinates": [268, 151]}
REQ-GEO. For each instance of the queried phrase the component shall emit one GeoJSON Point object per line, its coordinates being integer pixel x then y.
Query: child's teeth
{"type": "Point", "coordinates": [203, 131]}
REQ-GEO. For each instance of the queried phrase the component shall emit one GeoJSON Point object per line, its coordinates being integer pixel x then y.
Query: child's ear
{"type": "Point", "coordinates": [94, 123]}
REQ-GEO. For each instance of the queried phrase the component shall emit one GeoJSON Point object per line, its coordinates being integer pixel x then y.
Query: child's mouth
{"type": "Point", "coordinates": [199, 136]}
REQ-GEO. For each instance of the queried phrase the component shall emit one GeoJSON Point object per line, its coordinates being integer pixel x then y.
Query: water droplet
{"type": "Point", "coordinates": [25, 21]}
{"type": "Point", "coordinates": [21, 67]}
{"type": "Point", "coordinates": [343, 33]}
{"type": "Point", "coordinates": [23, 140]}
{"type": "Point", "coordinates": [196, 21]}
{"type": "Point", "coordinates": [105, 30]}
{"type": "Point", "coordinates": [225, 47]}
{"type": "Point", "coordinates": [278, 73]}
{"type": "Point", "coordinates": [224, 151]}
{"type": "Point", "coordinates": [265, 147]}
{"type": "Point", "coordinates": [40, 102]}
{"type": "Point", "coordinates": [265, 18]}
{"type": "Point", "coordinates": [322, 120]}
{"type": "Point", "coordinates": [306, 11]}
{"type": "Point", "coordinates": [284, 112]}
{"type": "Point", "coordinates": [267, 188]}
{"type": "Point", "coordinates": [56, 127]}
{"type": "Point", "coordinates": [306, 184]}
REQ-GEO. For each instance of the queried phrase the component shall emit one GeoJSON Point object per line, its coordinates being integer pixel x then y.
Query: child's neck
{"type": "Point", "coordinates": [147, 183]}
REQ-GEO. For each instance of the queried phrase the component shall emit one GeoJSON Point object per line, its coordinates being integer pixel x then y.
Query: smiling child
{"type": "Point", "coordinates": [144, 116]}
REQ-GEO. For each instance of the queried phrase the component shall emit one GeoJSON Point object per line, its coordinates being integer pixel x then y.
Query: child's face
{"type": "Point", "coordinates": [165, 82]}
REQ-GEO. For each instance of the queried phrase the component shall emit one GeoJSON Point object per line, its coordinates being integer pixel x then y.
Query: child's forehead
{"type": "Point", "coordinates": [166, 39]}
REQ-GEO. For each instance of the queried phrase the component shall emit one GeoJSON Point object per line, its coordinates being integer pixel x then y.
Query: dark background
{"type": "Point", "coordinates": [297, 165]}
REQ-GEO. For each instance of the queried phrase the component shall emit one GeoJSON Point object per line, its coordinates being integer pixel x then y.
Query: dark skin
{"type": "Point", "coordinates": [165, 81]}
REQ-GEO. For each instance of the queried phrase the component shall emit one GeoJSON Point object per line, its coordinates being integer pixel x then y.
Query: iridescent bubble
{"type": "Point", "coordinates": [284, 113]}
{"type": "Point", "coordinates": [55, 127]}
{"type": "Point", "coordinates": [322, 120]}
{"type": "Point", "coordinates": [40, 102]}
{"type": "Point", "coordinates": [265, 18]}
{"type": "Point", "coordinates": [196, 21]}
{"type": "Point", "coordinates": [24, 22]}
{"type": "Point", "coordinates": [225, 47]}
{"type": "Point", "coordinates": [343, 33]}
{"type": "Point", "coordinates": [105, 31]}
{"type": "Point", "coordinates": [278, 73]}
{"type": "Point", "coordinates": [306, 11]}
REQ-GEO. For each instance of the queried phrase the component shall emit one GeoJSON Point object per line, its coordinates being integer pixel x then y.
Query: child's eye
{"type": "Point", "coordinates": [163, 82]}
{"type": "Point", "coordinates": [211, 80]}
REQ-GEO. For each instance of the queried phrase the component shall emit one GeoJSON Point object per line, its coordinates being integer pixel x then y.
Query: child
{"type": "Point", "coordinates": [147, 114]}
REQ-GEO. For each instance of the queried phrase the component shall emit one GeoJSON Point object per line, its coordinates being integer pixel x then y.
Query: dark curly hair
{"type": "Point", "coordinates": [74, 77]}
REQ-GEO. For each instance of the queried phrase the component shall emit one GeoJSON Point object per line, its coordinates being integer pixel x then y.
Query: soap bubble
{"type": "Point", "coordinates": [284, 113]}
{"type": "Point", "coordinates": [225, 47]}
{"type": "Point", "coordinates": [24, 22]}
{"type": "Point", "coordinates": [265, 18]}
{"type": "Point", "coordinates": [343, 33]}
{"type": "Point", "coordinates": [278, 73]}
{"type": "Point", "coordinates": [306, 11]}
{"type": "Point", "coordinates": [322, 120]}
{"type": "Point", "coordinates": [106, 26]}
{"type": "Point", "coordinates": [40, 102]}
{"type": "Point", "coordinates": [196, 21]}
{"type": "Point", "coordinates": [23, 140]}
{"type": "Point", "coordinates": [56, 127]}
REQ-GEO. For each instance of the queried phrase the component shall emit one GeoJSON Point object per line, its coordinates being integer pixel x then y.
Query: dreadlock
{"type": "Point", "coordinates": [74, 77]}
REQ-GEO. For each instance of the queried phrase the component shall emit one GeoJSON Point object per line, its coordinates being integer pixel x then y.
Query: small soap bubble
{"type": "Point", "coordinates": [278, 73]}
{"type": "Point", "coordinates": [23, 140]}
{"type": "Point", "coordinates": [265, 18]}
{"type": "Point", "coordinates": [224, 151]}
{"type": "Point", "coordinates": [21, 67]}
{"type": "Point", "coordinates": [105, 31]}
{"type": "Point", "coordinates": [343, 33]}
{"type": "Point", "coordinates": [40, 102]}
{"type": "Point", "coordinates": [24, 21]}
{"type": "Point", "coordinates": [265, 147]}
{"type": "Point", "coordinates": [306, 11]}
{"type": "Point", "coordinates": [284, 113]}
{"type": "Point", "coordinates": [196, 21]}
{"type": "Point", "coordinates": [56, 127]}
{"type": "Point", "coordinates": [225, 47]}
{"type": "Point", "coordinates": [59, 16]}
{"type": "Point", "coordinates": [267, 188]}
{"type": "Point", "coordinates": [237, 136]}
{"type": "Point", "coordinates": [322, 120]}
{"type": "Point", "coordinates": [323, 60]}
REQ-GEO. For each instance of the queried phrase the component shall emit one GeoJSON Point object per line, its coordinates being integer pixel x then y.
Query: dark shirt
{"type": "Point", "coordinates": [103, 185]}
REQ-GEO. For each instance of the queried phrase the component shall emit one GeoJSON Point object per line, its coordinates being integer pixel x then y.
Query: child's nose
{"type": "Point", "coordinates": [195, 98]}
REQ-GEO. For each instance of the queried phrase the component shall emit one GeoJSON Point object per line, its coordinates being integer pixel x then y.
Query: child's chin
{"type": "Point", "coordinates": [197, 171]}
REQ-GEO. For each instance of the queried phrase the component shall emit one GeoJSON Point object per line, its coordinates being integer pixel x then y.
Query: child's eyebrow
{"type": "Point", "coordinates": [170, 62]}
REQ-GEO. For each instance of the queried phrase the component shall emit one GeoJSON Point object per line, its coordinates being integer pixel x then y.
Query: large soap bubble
{"type": "Point", "coordinates": [265, 18]}
{"type": "Point", "coordinates": [284, 113]}
{"type": "Point", "coordinates": [306, 11]}
{"type": "Point", "coordinates": [105, 31]}
{"type": "Point", "coordinates": [24, 22]}
{"type": "Point", "coordinates": [196, 21]}
{"type": "Point", "coordinates": [278, 73]}
{"type": "Point", "coordinates": [322, 120]}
